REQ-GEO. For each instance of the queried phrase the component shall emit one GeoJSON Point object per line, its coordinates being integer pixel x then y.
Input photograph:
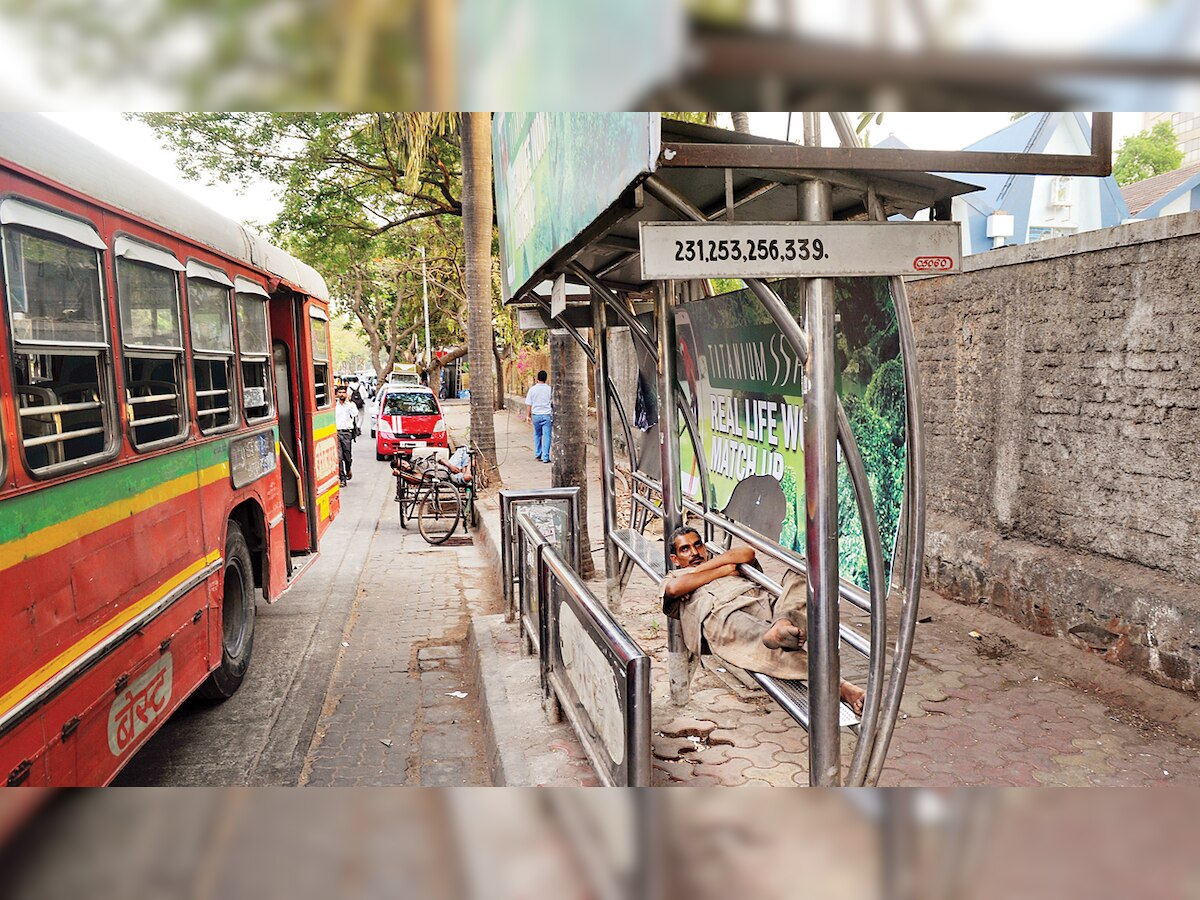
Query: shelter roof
{"type": "Point", "coordinates": [608, 247]}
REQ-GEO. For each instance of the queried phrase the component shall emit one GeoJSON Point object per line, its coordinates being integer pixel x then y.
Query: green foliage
{"type": "Point", "coordinates": [862, 128]}
{"type": "Point", "coordinates": [793, 517]}
{"type": "Point", "coordinates": [362, 193]}
{"type": "Point", "coordinates": [885, 393]}
{"type": "Point", "coordinates": [696, 118]}
{"type": "Point", "coordinates": [727, 285]}
{"type": "Point", "coordinates": [720, 12]}
{"type": "Point", "coordinates": [877, 437]}
{"type": "Point", "coordinates": [1147, 153]}
{"type": "Point", "coordinates": [234, 54]}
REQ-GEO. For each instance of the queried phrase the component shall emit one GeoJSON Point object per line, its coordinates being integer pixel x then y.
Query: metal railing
{"type": "Point", "coordinates": [591, 671]}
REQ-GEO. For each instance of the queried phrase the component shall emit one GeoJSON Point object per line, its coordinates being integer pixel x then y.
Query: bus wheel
{"type": "Point", "coordinates": [237, 619]}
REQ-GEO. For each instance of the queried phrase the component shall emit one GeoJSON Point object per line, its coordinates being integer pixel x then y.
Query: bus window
{"type": "Point", "coordinates": [212, 345]}
{"type": "Point", "coordinates": [320, 345]}
{"type": "Point", "coordinates": [254, 349]}
{"type": "Point", "coordinates": [148, 298]}
{"type": "Point", "coordinates": [61, 349]}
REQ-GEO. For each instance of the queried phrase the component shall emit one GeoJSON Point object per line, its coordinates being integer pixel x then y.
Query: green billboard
{"type": "Point", "coordinates": [745, 388]}
{"type": "Point", "coordinates": [556, 173]}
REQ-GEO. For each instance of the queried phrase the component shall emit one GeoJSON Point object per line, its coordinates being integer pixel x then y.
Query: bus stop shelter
{"type": "Point", "coordinates": [749, 402]}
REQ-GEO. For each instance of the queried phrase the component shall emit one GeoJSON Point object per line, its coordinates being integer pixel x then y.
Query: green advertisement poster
{"type": "Point", "coordinates": [745, 388]}
{"type": "Point", "coordinates": [556, 173]}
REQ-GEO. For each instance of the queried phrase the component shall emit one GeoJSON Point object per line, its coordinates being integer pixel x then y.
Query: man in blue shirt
{"type": "Point", "coordinates": [458, 465]}
{"type": "Point", "coordinates": [539, 411]}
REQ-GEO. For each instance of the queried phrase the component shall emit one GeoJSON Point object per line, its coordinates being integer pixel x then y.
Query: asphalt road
{"type": "Point", "coordinates": [261, 735]}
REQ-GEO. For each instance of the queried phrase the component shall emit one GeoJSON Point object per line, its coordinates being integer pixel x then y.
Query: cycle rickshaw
{"type": "Point", "coordinates": [426, 491]}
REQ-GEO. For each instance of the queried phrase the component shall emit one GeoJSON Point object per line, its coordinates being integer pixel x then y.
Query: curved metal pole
{"type": "Point", "coordinates": [914, 505]}
{"type": "Point", "coordinates": [914, 524]}
{"type": "Point", "coordinates": [567, 327]}
{"type": "Point", "coordinates": [693, 428]}
{"type": "Point", "coordinates": [615, 399]}
{"type": "Point", "coordinates": [684, 208]}
{"type": "Point", "coordinates": [847, 136]}
{"type": "Point", "coordinates": [799, 341]}
{"type": "Point", "coordinates": [608, 505]}
{"type": "Point", "coordinates": [635, 327]}
{"type": "Point", "coordinates": [878, 655]}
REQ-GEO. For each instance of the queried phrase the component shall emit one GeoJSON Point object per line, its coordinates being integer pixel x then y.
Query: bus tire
{"type": "Point", "coordinates": [237, 619]}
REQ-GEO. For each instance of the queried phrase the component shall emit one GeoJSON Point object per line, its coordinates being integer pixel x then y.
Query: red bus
{"type": "Point", "coordinates": [167, 450]}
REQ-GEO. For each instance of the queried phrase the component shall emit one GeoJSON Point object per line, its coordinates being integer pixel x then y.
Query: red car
{"type": "Point", "coordinates": [409, 419]}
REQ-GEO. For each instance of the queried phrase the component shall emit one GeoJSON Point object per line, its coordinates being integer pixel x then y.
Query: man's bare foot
{"type": "Point", "coordinates": [799, 618]}
{"type": "Point", "coordinates": [853, 696]}
{"type": "Point", "coordinates": [783, 635]}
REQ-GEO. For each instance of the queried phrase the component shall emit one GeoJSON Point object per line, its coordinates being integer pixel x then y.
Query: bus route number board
{"type": "Point", "coordinates": [687, 250]}
{"type": "Point", "coordinates": [252, 457]}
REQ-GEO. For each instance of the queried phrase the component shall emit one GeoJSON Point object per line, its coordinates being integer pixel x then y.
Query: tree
{"type": "Point", "coordinates": [477, 237]}
{"type": "Point", "coordinates": [569, 379]}
{"type": "Point", "coordinates": [362, 192]}
{"type": "Point", "coordinates": [242, 54]}
{"type": "Point", "coordinates": [1147, 153]}
{"type": "Point", "coordinates": [369, 172]}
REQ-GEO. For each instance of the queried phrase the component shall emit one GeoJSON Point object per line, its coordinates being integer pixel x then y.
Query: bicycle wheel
{"type": "Point", "coordinates": [438, 516]}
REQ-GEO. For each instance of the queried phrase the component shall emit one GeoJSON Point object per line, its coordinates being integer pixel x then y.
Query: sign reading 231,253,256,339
{"type": "Point", "coordinates": [806, 250]}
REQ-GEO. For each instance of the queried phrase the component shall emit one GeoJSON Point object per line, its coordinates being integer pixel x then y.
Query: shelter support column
{"type": "Point", "coordinates": [668, 437]}
{"type": "Point", "coordinates": [612, 562]}
{"type": "Point", "coordinates": [820, 491]}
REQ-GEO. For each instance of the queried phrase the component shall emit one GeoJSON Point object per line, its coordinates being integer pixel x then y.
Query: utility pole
{"type": "Point", "coordinates": [425, 301]}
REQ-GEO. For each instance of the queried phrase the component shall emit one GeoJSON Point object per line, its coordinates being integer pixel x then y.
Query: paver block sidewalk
{"type": "Point", "coordinates": [1007, 708]}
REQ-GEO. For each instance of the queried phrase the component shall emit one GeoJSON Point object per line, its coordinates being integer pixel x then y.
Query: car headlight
{"type": "Point", "coordinates": [439, 427]}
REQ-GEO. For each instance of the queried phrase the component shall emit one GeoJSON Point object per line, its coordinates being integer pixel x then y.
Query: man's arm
{"type": "Point", "coordinates": [708, 571]}
{"type": "Point", "coordinates": [733, 556]}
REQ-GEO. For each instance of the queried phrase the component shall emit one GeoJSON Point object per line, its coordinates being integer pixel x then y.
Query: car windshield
{"type": "Point", "coordinates": [410, 404]}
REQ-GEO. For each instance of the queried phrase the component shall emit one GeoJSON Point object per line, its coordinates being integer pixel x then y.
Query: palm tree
{"type": "Point", "coordinates": [477, 236]}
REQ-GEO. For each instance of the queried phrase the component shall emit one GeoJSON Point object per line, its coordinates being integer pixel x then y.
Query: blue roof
{"type": "Point", "coordinates": [1014, 193]}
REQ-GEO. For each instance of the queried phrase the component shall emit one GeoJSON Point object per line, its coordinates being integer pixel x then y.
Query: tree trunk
{"type": "Point", "coordinates": [477, 236]}
{"type": "Point", "coordinates": [741, 122]}
{"type": "Point", "coordinates": [568, 380]}
{"type": "Point", "coordinates": [499, 379]}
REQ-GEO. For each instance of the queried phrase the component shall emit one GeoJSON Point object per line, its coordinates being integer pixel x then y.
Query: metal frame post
{"type": "Point", "coordinates": [668, 436]}
{"type": "Point", "coordinates": [820, 491]}
{"type": "Point", "coordinates": [612, 560]}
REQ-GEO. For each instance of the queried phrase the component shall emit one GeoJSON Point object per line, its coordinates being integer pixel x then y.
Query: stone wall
{"type": "Point", "coordinates": [1062, 397]}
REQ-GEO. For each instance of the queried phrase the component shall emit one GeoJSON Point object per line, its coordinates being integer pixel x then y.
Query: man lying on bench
{"type": "Point", "coordinates": [744, 624]}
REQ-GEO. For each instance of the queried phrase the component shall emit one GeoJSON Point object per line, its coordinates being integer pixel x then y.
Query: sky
{"type": "Point", "coordinates": [137, 143]}
{"type": "Point", "coordinates": [928, 130]}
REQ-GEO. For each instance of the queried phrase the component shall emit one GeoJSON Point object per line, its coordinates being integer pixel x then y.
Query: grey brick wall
{"type": "Point", "coordinates": [1063, 411]}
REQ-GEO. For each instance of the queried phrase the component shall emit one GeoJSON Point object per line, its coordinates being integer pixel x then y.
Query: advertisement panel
{"type": "Point", "coordinates": [556, 173]}
{"type": "Point", "coordinates": [746, 387]}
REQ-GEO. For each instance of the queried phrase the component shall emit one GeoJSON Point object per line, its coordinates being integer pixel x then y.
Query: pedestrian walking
{"type": "Point", "coordinates": [358, 396]}
{"type": "Point", "coordinates": [346, 419]}
{"type": "Point", "coordinates": [540, 411]}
